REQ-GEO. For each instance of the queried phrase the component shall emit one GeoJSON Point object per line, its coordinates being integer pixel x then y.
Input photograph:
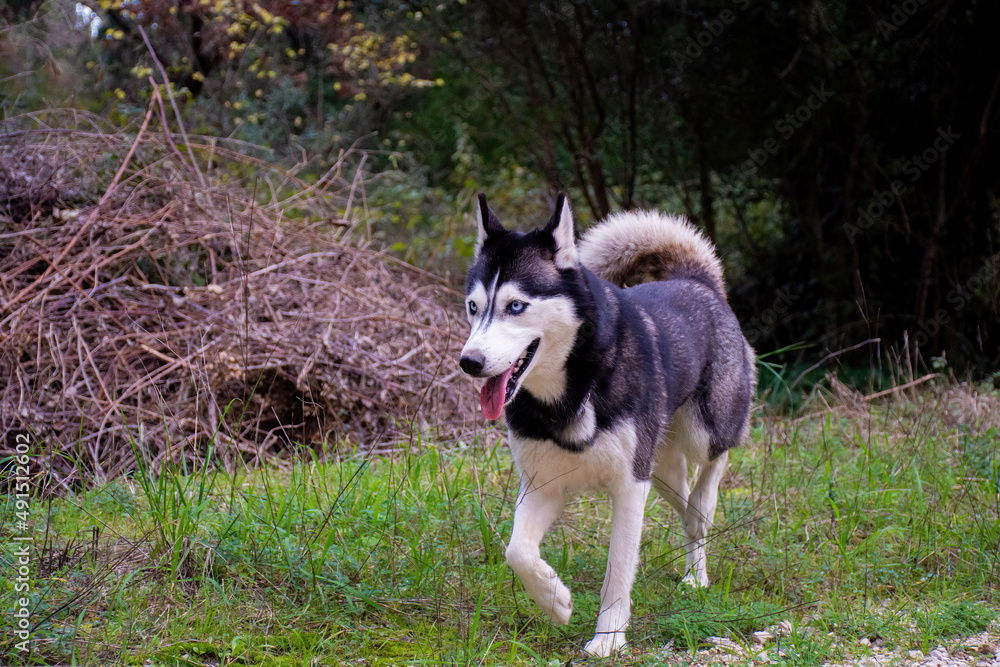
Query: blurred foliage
{"type": "Point", "coordinates": [273, 73]}
{"type": "Point", "coordinates": [845, 159]}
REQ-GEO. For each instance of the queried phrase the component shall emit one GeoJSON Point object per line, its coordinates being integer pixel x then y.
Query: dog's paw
{"type": "Point", "coordinates": [605, 645]}
{"type": "Point", "coordinates": [695, 581]}
{"type": "Point", "coordinates": [559, 604]}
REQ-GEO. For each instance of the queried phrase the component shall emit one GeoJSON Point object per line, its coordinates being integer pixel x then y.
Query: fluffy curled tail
{"type": "Point", "coordinates": [644, 246]}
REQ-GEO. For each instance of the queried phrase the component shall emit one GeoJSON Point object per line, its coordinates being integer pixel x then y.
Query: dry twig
{"type": "Point", "coordinates": [167, 305]}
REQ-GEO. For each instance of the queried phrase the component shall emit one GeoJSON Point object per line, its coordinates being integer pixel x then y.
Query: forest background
{"type": "Point", "coordinates": [843, 155]}
{"type": "Point", "coordinates": [233, 236]}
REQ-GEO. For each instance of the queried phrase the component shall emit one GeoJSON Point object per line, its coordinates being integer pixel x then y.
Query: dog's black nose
{"type": "Point", "coordinates": [472, 364]}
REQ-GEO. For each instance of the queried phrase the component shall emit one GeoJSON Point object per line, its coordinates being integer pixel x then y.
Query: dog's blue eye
{"type": "Point", "coordinates": [517, 307]}
{"type": "Point", "coordinates": [472, 308]}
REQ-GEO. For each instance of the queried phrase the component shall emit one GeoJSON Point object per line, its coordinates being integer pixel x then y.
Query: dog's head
{"type": "Point", "coordinates": [522, 298]}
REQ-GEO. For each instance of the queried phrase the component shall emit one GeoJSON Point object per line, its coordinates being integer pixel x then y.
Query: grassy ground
{"type": "Point", "coordinates": [877, 522]}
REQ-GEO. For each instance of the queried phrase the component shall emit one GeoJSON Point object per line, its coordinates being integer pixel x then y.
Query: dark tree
{"type": "Point", "coordinates": [843, 155]}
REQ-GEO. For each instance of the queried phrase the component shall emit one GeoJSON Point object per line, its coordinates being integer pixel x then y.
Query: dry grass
{"type": "Point", "coordinates": [219, 302]}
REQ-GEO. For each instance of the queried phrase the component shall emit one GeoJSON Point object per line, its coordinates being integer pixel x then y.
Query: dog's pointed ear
{"type": "Point", "coordinates": [561, 228]}
{"type": "Point", "coordinates": [487, 223]}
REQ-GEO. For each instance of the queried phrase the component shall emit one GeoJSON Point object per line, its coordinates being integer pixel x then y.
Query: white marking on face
{"type": "Point", "coordinates": [502, 336]}
{"type": "Point", "coordinates": [508, 293]}
{"type": "Point", "coordinates": [555, 321]}
{"type": "Point", "coordinates": [478, 298]}
{"type": "Point", "coordinates": [493, 286]}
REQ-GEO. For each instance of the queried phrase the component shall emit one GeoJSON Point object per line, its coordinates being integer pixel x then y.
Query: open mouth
{"type": "Point", "coordinates": [499, 389]}
{"type": "Point", "coordinates": [519, 367]}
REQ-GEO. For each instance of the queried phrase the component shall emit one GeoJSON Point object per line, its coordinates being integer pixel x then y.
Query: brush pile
{"type": "Point", "coordinates": [163, 300]}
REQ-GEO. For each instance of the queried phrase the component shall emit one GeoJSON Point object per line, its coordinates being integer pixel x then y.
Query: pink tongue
{"type": "Point", "coordinates": [492, 394]}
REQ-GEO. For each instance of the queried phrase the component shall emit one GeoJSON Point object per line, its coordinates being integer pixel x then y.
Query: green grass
{"type": "Point", "coordinates": [878, 523]}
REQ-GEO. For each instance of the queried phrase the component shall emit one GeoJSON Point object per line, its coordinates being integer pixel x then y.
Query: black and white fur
{"type": "Point", "coordinates": [608, 387]}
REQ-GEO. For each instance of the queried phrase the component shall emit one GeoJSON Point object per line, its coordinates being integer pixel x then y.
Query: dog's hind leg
{"type": "Point", "coordinates": [537, 508]}
{"type": "Point", "coordinates": [670, 477]}
{"type": "Point", "coordinates": [687, 439]}
{"type": "Point", "coordinates": [700, 516]}
{"type": "Point", "coordinates": [628, 506]}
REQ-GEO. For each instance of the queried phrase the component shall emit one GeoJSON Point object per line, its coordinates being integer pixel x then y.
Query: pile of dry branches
{"type": "Point", "coordinates": [208, 299]}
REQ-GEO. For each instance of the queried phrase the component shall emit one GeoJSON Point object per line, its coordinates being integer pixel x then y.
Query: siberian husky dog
{"type": "Point", "coordinates": [617, 362]}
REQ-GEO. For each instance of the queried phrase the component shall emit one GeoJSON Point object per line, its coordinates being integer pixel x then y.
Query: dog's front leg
{"type": "Point", "coordinates": [628, 508]}
{"type": "Point", "coordinates": [537, 508]}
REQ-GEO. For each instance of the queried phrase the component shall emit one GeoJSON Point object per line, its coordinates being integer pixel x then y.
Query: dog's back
{"type": "Point", "coordinates": [673, 277]}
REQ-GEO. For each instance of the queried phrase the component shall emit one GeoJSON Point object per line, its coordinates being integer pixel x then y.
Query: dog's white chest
{"type": "Point", "coordinates": [604, 465]}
